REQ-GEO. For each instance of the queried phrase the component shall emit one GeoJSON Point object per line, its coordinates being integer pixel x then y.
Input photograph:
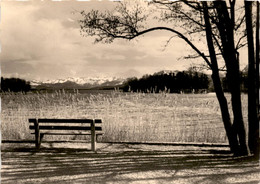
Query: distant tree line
{"type": "Point", "coordinates": [172, 82]}
{"type": "Point", "coordinates": [185, 81]}
{"type": "Point", "coordinates": [15, 85]}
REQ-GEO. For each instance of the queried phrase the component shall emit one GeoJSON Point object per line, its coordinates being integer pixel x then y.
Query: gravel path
{"type": "Point", "coordinates": [123, 163]}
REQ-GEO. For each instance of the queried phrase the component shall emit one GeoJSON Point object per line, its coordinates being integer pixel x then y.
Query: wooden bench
{"type": "Point", "coordinates": [65, 127]}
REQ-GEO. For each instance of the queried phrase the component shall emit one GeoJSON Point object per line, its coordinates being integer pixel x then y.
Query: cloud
{"type": "Point", "coordinates": [42, 40]}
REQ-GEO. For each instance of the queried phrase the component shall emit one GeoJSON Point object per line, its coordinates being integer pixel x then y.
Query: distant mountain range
{"type": "Point", "coordinates": [87, 82]}
{"type": "Point", "coordinates": [79, 83]}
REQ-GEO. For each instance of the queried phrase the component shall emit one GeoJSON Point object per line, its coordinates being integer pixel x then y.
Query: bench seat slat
{"type": "Point", "coordinates": [62, 133]}
{"type": "Point", "coordinates": [65, 120]}
{"type": "Point", "coordinates": [41, 127]}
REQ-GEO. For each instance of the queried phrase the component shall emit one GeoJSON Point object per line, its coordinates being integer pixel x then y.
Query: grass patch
{"type": "Point", "coordinates": [133, 117]}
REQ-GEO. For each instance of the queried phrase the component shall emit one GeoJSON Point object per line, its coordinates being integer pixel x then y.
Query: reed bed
{"type": "Point", "coordinates": [127, 117]}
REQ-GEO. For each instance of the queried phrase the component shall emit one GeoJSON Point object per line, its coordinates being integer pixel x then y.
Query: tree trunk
{"type": "Point", "coordinates": [253, 124]}
{"type": "Point", "coordinates": [256, 151]}
{"type": "Point", "coordinates": [232, 139]}
{"type": "Point", "coordinates": [226, 28]}
{"type": "Point", "coordinates": [257, 58]}
{"type": "Point", "coordinates": [238, 123]}
{"type": "Point", "coordinates": [231, 134]}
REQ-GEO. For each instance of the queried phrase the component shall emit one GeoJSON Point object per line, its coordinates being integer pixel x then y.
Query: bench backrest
{"type": "Point", "coordinates": [65, 125]}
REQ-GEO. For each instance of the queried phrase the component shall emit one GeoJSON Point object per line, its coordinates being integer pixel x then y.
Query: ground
{"type": "Point", "coordinates": [124, 163]}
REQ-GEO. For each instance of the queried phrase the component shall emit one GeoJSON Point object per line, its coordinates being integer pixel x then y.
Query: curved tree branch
{"type": "Point", "coordinates": [180, 35]}
{"type": "Point", "coordinates": [108, 27]}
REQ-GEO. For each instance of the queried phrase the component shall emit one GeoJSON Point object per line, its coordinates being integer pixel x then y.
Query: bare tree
{"type": "Point", "coordinates": [233, 142]}
{"type": "Point", "coordinates": [226, 23]}
{"type": "Point", "coordinates": [253, 123]}
{"type": "Point", "coordinates": [213, 21]}
{"type": "Point", "coordinates": [256, 140]}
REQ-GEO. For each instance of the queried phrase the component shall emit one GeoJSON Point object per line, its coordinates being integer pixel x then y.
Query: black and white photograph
{"type": "Point", "coordinates": [129, 91]}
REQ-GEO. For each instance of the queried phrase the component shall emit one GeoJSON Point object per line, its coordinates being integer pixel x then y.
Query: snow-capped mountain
{"type": "Point", "coordinates": [79, 82]}
{"type": "Point", "coordinates": [162, 72]}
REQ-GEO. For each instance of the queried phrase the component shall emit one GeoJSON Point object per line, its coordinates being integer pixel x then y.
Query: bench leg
{"type": "Point", "coordinates": [93, 136]}
{"type": "Point", "coordinates": [93, 144]}
{"type": "Point", "coordinates": [38, 140]}
{"type": "Point", "coordinates": [37, 135]}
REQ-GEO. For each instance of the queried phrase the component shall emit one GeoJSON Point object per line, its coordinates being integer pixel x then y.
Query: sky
{"type": "Point", "coordinates": [41, 40]}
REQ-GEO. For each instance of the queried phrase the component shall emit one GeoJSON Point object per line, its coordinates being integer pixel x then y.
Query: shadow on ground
{"type": "Point", "coordinates": [123, 163]}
